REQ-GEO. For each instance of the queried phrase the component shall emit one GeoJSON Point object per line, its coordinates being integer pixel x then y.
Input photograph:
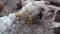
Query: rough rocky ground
{"type": "Point", "coordinates": [40, 27]}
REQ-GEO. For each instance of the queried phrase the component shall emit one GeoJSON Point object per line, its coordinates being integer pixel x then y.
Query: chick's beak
{"type": "Point", "coordinates": [17, 15]}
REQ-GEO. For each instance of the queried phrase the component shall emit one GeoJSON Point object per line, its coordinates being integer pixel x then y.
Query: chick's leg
{"type": "Point", "coordinates": [29, 23]}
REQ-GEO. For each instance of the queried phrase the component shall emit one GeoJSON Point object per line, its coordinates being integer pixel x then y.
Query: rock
{"type": "Point", "coordinates": [1, 6]}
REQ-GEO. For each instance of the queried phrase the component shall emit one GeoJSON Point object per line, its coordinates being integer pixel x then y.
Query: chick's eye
{"type": "Point", "coordinates": [19, 19]}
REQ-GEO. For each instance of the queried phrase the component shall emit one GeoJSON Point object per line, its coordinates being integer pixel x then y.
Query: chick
{"type": "Point", "coordinates": [30, 11]}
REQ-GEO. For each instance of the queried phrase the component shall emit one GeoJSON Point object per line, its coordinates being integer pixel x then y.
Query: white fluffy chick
{"type": "Point", "coordinates": [31, 10]}
{"type": "Point", "coordinates": [6, 22]}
